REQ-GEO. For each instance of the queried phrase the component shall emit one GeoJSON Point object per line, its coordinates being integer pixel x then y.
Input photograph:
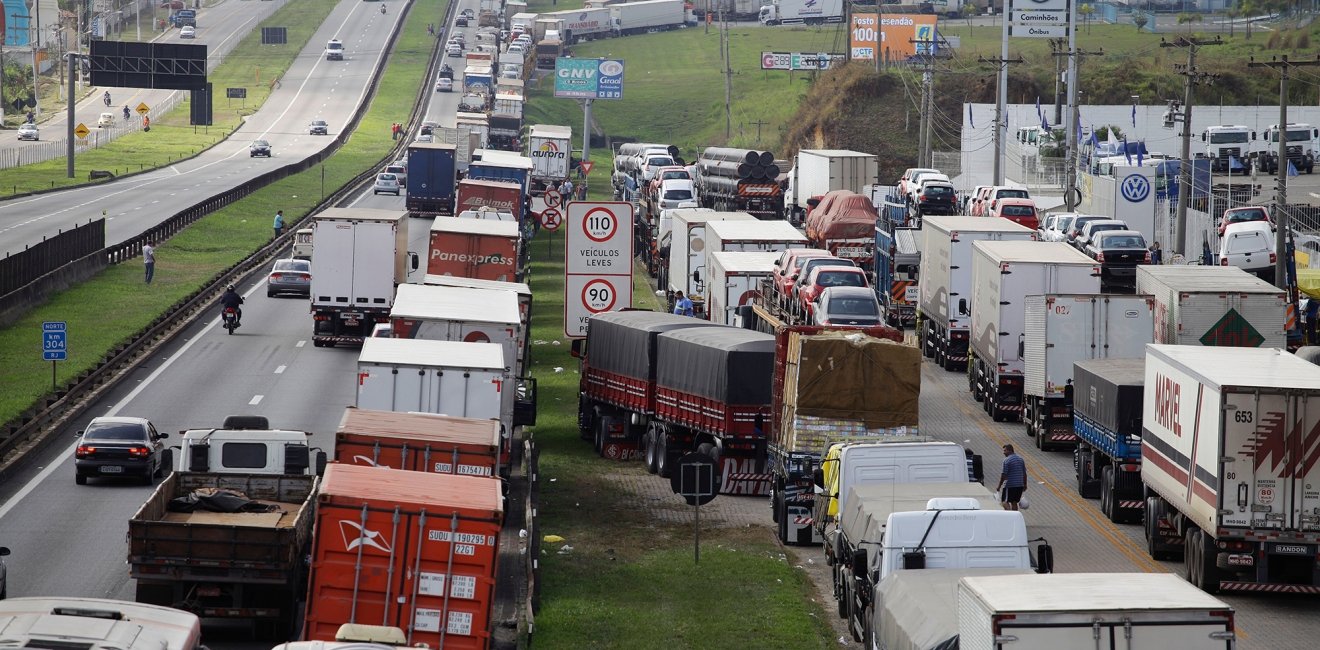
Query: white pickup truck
{"type": "Point", "coordinates": [246, 444]}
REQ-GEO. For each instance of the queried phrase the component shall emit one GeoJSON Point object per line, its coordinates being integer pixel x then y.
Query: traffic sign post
{"type": "Point", "coordinates": [81, 131]}
{"type": "Point", "coordinates": [597, 261]}
{"type": "Point", "coordinates": [697, 481]}
{"type": "Point", "coordinates": [551, 218]}
{"type": "Point", "coordinates": [54, 345]}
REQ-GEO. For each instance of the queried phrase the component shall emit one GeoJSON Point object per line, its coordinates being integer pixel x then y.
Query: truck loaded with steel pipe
{"type": "Point", "coordinates": [740, 180]}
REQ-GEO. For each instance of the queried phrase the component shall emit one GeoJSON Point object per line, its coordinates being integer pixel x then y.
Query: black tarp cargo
{"type": "Point", "coordinates": [1109, 393]}
{"type": "Point", "coordinates": [727, 364]}
{"type": "Point", "coordinates": [623, 342]}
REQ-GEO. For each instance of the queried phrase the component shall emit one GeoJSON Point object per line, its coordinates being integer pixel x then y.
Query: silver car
{"type": "Point", "coordinates": [387, 184]}
{"type": "Point", "coordinates": [290, 276]}
{"type": "Point", "coordinates": [29, 131]}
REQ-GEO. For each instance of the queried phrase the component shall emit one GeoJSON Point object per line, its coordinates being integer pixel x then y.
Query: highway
{"type": "Point", "coordinates": [312, 88]}
{"type": "Point", "coordinates": [220, 28]}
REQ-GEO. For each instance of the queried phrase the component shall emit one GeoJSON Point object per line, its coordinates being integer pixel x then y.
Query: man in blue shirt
{"type": "Point", "coordinates": [1012, 479]}
{"type": "Point", "coordinates": [682, 304]}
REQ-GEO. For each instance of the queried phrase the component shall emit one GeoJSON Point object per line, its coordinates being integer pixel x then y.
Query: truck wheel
{"type": "Point", "coordinates": [648, 446]}
{"type": "Point", "coordinates": [662, 454]}
{"type": "Point", "coordinates": [709, 449]}
{"type": "Point", "coordinates": [1191, 563]}
{"type": "Point", "coordinates": [1107, 491]}
{"type": "Point", "coordinates": [782, 528]}
{"type": "Point", "coordinates": [1203, 548]}
{"type": "Point", "coordinates": [840, 593]}
{"type": "Point", "coordinates": [1087, 487]}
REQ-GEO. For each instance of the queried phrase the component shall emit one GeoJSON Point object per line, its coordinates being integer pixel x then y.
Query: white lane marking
{"type": "Point", "coordinates": [280, 370]}
{"type": "Point", "coordinates": [255, 400]}
{"type": "Point", "coordinates": [61, 462]}
{"type": "Point", "coordinates": [300, 344]}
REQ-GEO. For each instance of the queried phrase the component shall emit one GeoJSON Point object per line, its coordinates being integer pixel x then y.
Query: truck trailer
{"type": "Point", "coordinates": [583, 24]}
{"type": "Point", "coordinates": [896, 271]}
{"type": "Point", "coordinates": [1229, 466]}
{"type": "Point", "coordinates": [419, 442]}
{"type": "Point", "coordinates": [1106, 411]}
{"type": "Point", "coordinates": [687, 254]}
{"type": "Point", "coordinates": [483, 249]}
{"type": "Point", "coordinates": [817, 172]}
{"type": "Point", "coordinates": [734, 278]}
{"type": "Point", "coordinates": [432, 172]}
{"type": "Point", "coordinates": [550, 149]}
{"type": "Point", "coordinates": [1062, 330]}
{"type": "Point", "coordinates": [648, 16]}
{"type": "Point", "coordinates": [725, 181]}
{"type": "Point", "coordinates": [945, 292]}
{"type": "Point", "coordinates": [412, 375]}
{"type": "Point", "coordinates": [361, 254]}
{"type": "Point", "coordinates": [752, 236]}
{"type": "Point", "coordinates": [1214, 305]}
{"type": "Point", "coordinates": [1004, 273]}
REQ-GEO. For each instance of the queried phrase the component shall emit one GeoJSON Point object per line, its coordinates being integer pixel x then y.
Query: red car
{"type": "Point", "coordinates": [1243, 215]}
{"type": "Point", "coordinates": [1020, 211]}
{"type": "Point", "coordinates": [789, 265]}
{"type": "Point", "coordinates": [823, 277]}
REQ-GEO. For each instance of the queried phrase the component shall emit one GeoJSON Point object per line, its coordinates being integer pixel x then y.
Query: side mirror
{"type": "Point", "coordinates": [1022, 345]}
{"type": "Point", "coordinates": [1044, 559]}
{"type": "Point", "coordinates": [413, 261]}
{"type": "Point", "coordinates": [1202, 137]}
{"type": "Point", "coordinates": [914, 560]}
{"type": "Point", "coordinates": [962, 307]}
{"type": "Point", "coordinates": [78, 434]}
{"type": "Point", "coordinates": [160, 436]}
{"type": "Point", "coordinates": [859, 562]}
{"type": "Point", "coordinates": [4, 550]}
{"type": "Point", "coordinates": [818, 477]}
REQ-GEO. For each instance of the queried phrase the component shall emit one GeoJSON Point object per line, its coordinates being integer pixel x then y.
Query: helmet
{"type": "Point", "coordinates": [229, 288]}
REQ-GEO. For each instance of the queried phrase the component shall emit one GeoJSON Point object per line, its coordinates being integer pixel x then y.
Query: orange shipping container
{"type": "Point", "coordinates": [474, 248]}
{"type": "Point", "coordinates": [408, 550]}
{"type": "Point", "coordinates": [418, 442]}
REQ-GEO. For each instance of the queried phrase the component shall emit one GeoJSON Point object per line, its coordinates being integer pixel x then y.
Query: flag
{"type": "Point", "coordinates": [1292, 171]}
{"type": "Point", "coordinates": [1038, 112]}
{"type": "Point", "coordinates": [1126, 154]}
{"type": "Point", "coordinates": [1233, 163]}
{"type": "Point", "coordinates": [1141, 149]}
{"type": "Point", "coordinates": [970, 118]}
{"type": "Point", "coordinates": [1110, 138]}
{"type": "Point", "coordinates": [1045, 125]}
{"type": "Point", "coordinates": [1134, 116]}
{"type": "Point", "coordinates": [1095, 142]}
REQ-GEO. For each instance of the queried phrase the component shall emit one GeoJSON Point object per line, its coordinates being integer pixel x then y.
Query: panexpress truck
{"type": "Point", "coordinates": [1004, 273]}
{"type": "Point", "coordinates": [432, 172]}
{"type": "Point", "coordinates": [945, 291]}
{"type": "Point", "coordinates": [361, 255]}
{"type": "Point", "coordinates": [1229, 464]}
{"type": "Point", "coordinates": [483, 249]}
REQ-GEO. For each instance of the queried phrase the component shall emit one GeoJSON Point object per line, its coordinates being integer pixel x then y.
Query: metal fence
{"type": "Point", "coordinates": [21, 268]}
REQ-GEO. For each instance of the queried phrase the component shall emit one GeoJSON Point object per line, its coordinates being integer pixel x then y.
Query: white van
{"type": "Point", "coordinates": [1249, 245]}
{"type": "Point", "coordinates": [97, 623]}
{"type": "Point", "coordinates": [901, 459]}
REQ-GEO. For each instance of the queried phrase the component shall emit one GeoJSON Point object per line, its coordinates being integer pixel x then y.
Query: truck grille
{"type": "Point", "coordinates": [1236, 152]}
{"type": "Point", "coordinates": [1294, 151]}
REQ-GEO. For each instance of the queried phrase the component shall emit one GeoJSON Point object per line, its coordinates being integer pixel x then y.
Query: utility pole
{"type": "Point", "coordinates": [1072, 195]}
{"type": "Point", "coordinates": [1279, 210]}
{"type": "Point", "coordinates": [924, 146]}
{"type": "Point", "coordinates": [1056, 48]}
{"type": "Point", "coordinates": [1001, 97]}
{"type": "Point", "coordinates": [759, 123]}
{"type": "Point", "coordinates": [728, 76]}
{"type": "Point", "coordinates": [1193, 77]}
{"type": "Point", "coordinates": [879, 33]}
{"type": "Point", "coordinates": [586, 129]}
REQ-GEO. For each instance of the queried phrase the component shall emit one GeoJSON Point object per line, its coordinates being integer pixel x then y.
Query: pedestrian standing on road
{"type": "Point", "coordinates": [682, 304]}
{"type": "Point", "coordinates": [279, 223]}
{"type": "Point", "coordinates": [1156, 255]}
{"type": "Point", "coordinates": [1012, 479]}
{"type": "Point", "coordinates": [566, 190]}
{"type": "Point", "coordinates": [394, 130]}
{"type": "Point", "coordinates": [149, 259]}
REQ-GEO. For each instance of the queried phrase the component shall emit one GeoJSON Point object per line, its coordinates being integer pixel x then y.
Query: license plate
{"type": "Point", "coordinates": [112, 469]}
{"type": "Point", "coordinates": [911, 294]}
{"type": "Point", "coordinates": [350, 316]}
{"type": "Point", "coordinates": [851, 251]}
{"type": "Point", "coordinates": [352, 321]}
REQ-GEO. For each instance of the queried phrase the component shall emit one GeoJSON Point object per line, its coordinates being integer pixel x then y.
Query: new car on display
{"type": "Point", "coordinates": [120, 446]}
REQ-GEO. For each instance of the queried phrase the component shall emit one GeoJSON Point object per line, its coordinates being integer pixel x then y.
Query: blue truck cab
{"type": "Point", "coordinates": [184, 17]}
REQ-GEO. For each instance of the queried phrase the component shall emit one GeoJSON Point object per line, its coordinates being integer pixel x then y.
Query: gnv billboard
{"type": "Point", "coordinates": [588, 78]}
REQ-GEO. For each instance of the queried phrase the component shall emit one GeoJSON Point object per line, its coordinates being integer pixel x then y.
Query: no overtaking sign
{"type": "Point", "coordinates": [597, 261]}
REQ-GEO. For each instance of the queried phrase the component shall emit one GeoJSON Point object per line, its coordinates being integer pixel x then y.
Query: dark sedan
{"type": "Point", "coordinates": [1119, 252]}
{"type": "Point", "coordinates": [290, 276]}
{"type": "Point", "coordinates": [118, 446]}
{"type": "Point", "coordinates": [259, 148]}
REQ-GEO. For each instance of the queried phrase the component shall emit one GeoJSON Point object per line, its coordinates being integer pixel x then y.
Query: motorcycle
{"type": "Point", "coordinates": [382, 9]}
{"type": "Point", "coordinates": [230, 318]}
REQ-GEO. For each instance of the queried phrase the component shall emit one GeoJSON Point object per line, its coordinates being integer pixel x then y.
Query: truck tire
{"type": "Point", "coordinates": [781, 531]}
{"type": "Point", "coordinates": [1199, 562]}
{"type": "Point", "coordinates": [648, 448]}
{"type": "Point", "coordinates": [709, 449]}
{"type": "Point", "coordinates": [662, 454]}
{"type": "Point", "coordinates": [1087, 487]}
{"type": "Point", "coordinates": [1107, 491]}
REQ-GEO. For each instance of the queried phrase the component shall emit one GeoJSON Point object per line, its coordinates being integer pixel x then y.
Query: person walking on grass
{"type": "Point", "coordinates": [1012, 479]}
{"type": "Point", "coordinates": [149, 259]}
{"type": "Point", "coordinates": [279, 223]}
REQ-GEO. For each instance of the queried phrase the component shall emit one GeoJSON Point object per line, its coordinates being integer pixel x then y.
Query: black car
{"type": "Point", "coordinates": [1119, 252]}
{"type": "Point", "coordinates": [461, 21]}
{"type": "Point", "coordinates": [259, 148]}
{"type": "Point", "coordinates": [319, 127]}
{"type": "Point", "coordinates": [119, 446]}
{"type": "Point", "coordinates": [937, 198]}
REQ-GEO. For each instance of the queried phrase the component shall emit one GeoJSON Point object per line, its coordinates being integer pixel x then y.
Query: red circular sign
{"type": "Point", "coordinates": [599, 296]}
{"type": "Point", "coordinates": [476, 337]}
{"type": "Point", "coordinates": [550, 219]}
{"type": "Point", "coordinates": [600, 225]}
{"type": "Point", "coordinates": [552, 198]}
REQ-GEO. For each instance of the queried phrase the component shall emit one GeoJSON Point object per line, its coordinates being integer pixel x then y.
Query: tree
{"type": "Point", "coordinates": [1139, 19]}
{"type": "Point", "coordinates": [1087, 10]}
{"type": "Point", "coordinates": [1102, 133]}
{"type": "Point", "coordinates": [1233, 13]}
{"type": "Point", "coordinates": [1247, 8]}
{"type": "Point", "coordinates": [1187, 18]}
{"type": "Point", "coordinates": [969, 10]}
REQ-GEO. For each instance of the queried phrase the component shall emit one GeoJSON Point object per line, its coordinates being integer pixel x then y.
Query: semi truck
{"type": "Point", "coordinates": [739, 180]}
{"type": "Point", "coordinates": [801, 12]}
{"type": "Point", "coordinates": [419, 442]}
{"type": "Point", "coordinates": [506, 122]}
{"type": "Point", "coordinates": [817, 172]}
{"type": "Point", "coordinates": [734, 278]}
{"type": "Point", "coordinates": [1214, 305]}
{"type": "Point", "coordinates": [236, 556]}
{"type": "Point", "coordinates": [1004, 273]}
{"type": "Point", "coordinates": [1302, 147]}
{"type": "Point", "coordinates": [648, 16]}
{"type": "Point", "coordinates": [687, 254]}
{"type": "Point", "coordinates": [483, 249]}
{"type": "Point", "coordinates": [1062, 330]}
{"type": "Point", "coordinates": [432, 173]}
{"type": "Point", "coordinates": [361, 255]}
{"type": "Point", "coordinates": [508, 167]}
{"type": "Point", "coordinates": [752, 236]}
{"type": "Point", "coordinates": [1228, 464]}
{"type": "Point", "coordinates": [577, 25]}
{"type": "Point", "coordinates": [896, 271]}
{"type": "Point", "coordinates": [550, 148]}
{"type": "Point", "coordinates": [945, 292]}
{"type": "Point", "coordinates": [843, 223]}
{"type": "Point", "coordinates": [1107, 420]}
{"type": "Point", "coordinates": [499, 196]}
{"type": "Point", "coordinates": [1228, 147]}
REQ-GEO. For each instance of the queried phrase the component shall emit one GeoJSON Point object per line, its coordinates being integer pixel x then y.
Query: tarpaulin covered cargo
{"type": "Point", "coordinates": [726, 364]}
{"type": "Point", "coordinates": [624, 342]}
{"type": "Point", "coordinates": [419, 442]}
{"type": "Point", "coordinates": [1109, 393]}
{"type": "Point", "coordinates": [851, 376]}
{"type": "Point", "coordinates": [841, 214]}
{"type": "Point", "coordinates": [408, 550]}
{"type": "Point", "coordinates": [918, 610]}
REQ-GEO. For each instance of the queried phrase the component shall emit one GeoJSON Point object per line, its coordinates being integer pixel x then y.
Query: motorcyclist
{"type": "Point", "coordinates": [231, 299]}
{"type": "Point", "coordinates": [126, 112]}
{"type": "Point", "coordinates": [106, 97]}
{"type": "Point", "coordinates": [382, 8]}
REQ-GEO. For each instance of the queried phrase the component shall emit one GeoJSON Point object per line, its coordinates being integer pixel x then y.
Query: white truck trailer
{"type": "Point", "coordinates": [817, 172]}
{"type": "Point", "coordinates": [550, 148]}
{"type": "Point", "coordinates": [583, 24]}
{"type": "Point", "coordinates": [456, 379]}
{"type": "Point", "coordinates": [945, 290]}
{"type": "Point", "coordinates": [1229, 461]}
{"type": "Point", "coordinates": [361, 254]}
{"type": "Point", "coordinates": [687, 254]}
{"type": "Point", "coordinates": [1214, 305]}
{"type": "Point", "coordinates": [647, 16]}
{"type": "Point", "coordinates": [1004, 273]}
{"type": "Point", "coordinates": [748, 236]}
{"type": "Point", "coordinates": [733, 281]}
{"type": "Point", "coordinates": [1064, 329]}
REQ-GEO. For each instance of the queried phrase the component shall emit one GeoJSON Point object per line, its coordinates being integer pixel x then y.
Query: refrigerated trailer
{"type": "Point", "coordinates": [734, 279]}
{"type": "Point", "coordinates": [361, 255]}
{"type": "Point", "coordinates": [1214, 305]}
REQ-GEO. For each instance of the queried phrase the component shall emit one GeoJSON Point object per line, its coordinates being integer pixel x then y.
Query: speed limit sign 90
{"type": "Point", "coordinates": [599, 295]}
{"type": "Point", "coordinates": [588, 296]}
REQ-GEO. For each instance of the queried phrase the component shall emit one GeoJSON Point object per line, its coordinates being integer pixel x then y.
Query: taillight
{"type": "Point", "coordinates": [1223, 261]}
{"type": "Point", "coordinates": [1100, 257]}
{"type": "Point", "coordinates": [1148, 258]}
{"type": "Point", "coordinates": [138, 452]}
{"type": "Point", "coordinates": [276, 276]}
{"type": "Point", "coordinates": [1272, 258]}
{"type": "Point", "coordinates": [85, 451]}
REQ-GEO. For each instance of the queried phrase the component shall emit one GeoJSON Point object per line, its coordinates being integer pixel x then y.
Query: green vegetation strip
{"type": "Point", "coordinates": [250, 65]}
{"type": "Point", "coordinates": [630, 579]}
{"type": "Point", "coordinates": [108, 309]}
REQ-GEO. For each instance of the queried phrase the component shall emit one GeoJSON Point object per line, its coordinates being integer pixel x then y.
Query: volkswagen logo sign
{"type": "Point", "coordinates": [1135, 188]}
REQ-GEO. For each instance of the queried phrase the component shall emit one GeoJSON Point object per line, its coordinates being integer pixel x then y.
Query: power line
{"type": "Point", "coordinates": [1193, 77]}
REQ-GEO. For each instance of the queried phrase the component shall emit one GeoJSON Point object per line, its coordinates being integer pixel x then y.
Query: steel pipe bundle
{"type": "Point", "coordinates": [738, 164]}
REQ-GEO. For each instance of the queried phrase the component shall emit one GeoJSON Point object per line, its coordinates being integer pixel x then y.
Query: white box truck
{"type": "Point", "coordinates": [945, 288]}
{"type": "Point", "coordinates": [579, 24]}
{"type": "Point", "coordinates": [687, 254]}
{"type": "Point", "coordinates": [801, 12]}
{"type": "Point", "coordinates": [755, 235]}
{"type": "Point", "coordinates": [647, 16]}
{"type": "Point", "coordinates": [1004, 273]}
{"type": "Point", "coordinates": [734, 279]}
{"type": "Point", "coordinates": [361, 254]}
{"type": "Point", "coordinates": [550, 148]}
{"type": "Point", "coordinates": [816, 172]}
{"type": "Point", "coordinates": [1214, 305]}
{"type": "Point", "coordinates": [1063, 329]}
{"type": "Point", "coordinates": [445, 377]}
{"type": "Point", "coordinates": [1228, 452]}
{"type": "Point", "coordinates": [1135, 611]}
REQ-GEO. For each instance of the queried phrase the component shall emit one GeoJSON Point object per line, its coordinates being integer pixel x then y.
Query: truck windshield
{"type": "Point", "coordinates": [1296, 136]}
{"type": "Point", "coordinates": [334, 46]}
{"type": "Point", "coordinates": [1229, 138]}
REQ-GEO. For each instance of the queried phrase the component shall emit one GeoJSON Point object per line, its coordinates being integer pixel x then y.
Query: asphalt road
{"type": "Point", "coordinates": [312, 88]}
{"type": "Point", "coordinates": [220, 27]}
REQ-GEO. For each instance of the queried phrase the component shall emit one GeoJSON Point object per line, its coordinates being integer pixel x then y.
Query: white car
{"type": "Point", "coordinates": [425, 137]}
{"type": "Point", "coordinates": [454, 51]}
{"type": "Point", "coordinates": [444, 85]}
{"type": "Point", "coordinates": [29, 131]}
{"type": "Point", "coordinates": [387, 184]}
{"type": "Point", "coordinates": [1249, 245]}
{"type": "Point", "coordinates": [106, 119]}
{"type": "Point", "coordinates": [187, 31]}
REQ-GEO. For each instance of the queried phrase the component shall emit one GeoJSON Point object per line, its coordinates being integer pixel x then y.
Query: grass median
{"type": "Point", "coordinates": [250, 65]}
{"type": "Point", "coordinates": [108, 309]}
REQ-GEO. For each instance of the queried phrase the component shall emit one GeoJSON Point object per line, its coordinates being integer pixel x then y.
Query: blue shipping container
{"type": "Point", "coordinates": [432, 177]}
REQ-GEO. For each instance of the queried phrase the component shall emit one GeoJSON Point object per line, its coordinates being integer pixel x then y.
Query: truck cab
{"type": "Point", "coordinates": [334, 50]}
{"type": "Point", "coordinates": [1303, 147]}
{"type": "Point", "coordinates": [97, 623]}
{"type": "Point", "coordinates": [1228, 147]}
{"type": "Point", "coordinates": [247, 445]}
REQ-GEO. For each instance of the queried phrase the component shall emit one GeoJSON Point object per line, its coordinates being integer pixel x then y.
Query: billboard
{"type": "Point", "coordinates": [800, 60]}
{"type": "Point", "coordinates": [588, 78]}
{"type": "Point", "coordinates": [898, 31]}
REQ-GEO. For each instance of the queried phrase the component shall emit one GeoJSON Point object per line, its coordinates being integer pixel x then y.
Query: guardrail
{"type": "Point", "coordinates": [68, 402]}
